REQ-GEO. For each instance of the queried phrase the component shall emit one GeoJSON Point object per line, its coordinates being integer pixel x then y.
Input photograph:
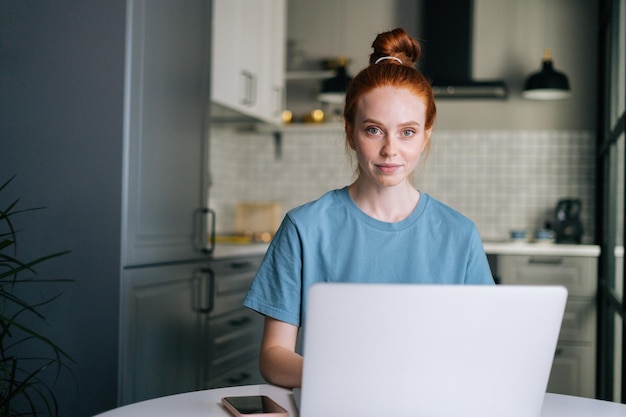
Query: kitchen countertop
{"type": "Point", "coordinates": [549, 249]}
{"type": "Point", "coordinates": [223, 250]}
{"type": "Point", "coordinates": [227, 250]}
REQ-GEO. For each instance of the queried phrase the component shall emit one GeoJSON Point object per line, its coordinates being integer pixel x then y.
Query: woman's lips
{"type": "Point", "coordinates": [388, 168]}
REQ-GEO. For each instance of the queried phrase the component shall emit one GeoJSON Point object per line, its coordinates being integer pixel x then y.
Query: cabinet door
{"type": "Point", "coordinates": [235, 339]}
{"type": "Point", "coordinates": [273, 81]}
{"type": "Point", "coordinates": [226, 78]}
{"type": "Point", "coordinates": [573, 371]}
{"type": "Point", "coordinates": [235, 332]}
{"type": "Point", "coordinates": [246, 374]}
{"type": "Point", "coordinates": [239, 42]}
{"type": "Point", "coordinates": [579, 321]}
{"type": "Point", "coordinates": [248, 57]}
{"type": "Point", "coordinates": [577, 274]}
{"type": "Point", "coordinates": [167, 102]}
{"type": "Point", "coordinates": [254, 44]}
{"type": "Point", "coordinates": [163, 338]}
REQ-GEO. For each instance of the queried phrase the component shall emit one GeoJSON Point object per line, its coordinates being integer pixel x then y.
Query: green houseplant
{"type": "Point", "coordinates": [25, 389]}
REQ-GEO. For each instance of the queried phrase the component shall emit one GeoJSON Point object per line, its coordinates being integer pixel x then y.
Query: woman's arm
{"type": "Point", "coordinates": [279, 363]}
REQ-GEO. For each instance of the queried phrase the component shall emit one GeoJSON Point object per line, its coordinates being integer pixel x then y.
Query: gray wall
{"type": "Point", "coordinates": [61, 120]}
{"type": "Point", "coordinates": [502, 180]}
{"type": "Point", "coordinates": [509, 39]}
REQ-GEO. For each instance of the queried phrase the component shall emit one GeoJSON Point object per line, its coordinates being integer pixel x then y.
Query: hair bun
{"type": "Point", "coordinates": [395, 47]}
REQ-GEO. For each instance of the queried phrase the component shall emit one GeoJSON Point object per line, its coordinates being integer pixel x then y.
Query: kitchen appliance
{"type": "Point", "coordinates": [567, 224]}
{"type": "Point", "coordinates": [447, 28]}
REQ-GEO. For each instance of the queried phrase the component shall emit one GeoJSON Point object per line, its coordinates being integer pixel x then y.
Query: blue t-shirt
{"type": "Point", "coordinates": [332, 240]}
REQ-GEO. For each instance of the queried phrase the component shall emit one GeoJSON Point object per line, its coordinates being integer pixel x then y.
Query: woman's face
{"type": "Point", "coordinates": [388, 136]}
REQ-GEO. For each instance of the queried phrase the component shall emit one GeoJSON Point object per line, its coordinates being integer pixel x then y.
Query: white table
{"type": "Point", "coordinates": [208, 403]}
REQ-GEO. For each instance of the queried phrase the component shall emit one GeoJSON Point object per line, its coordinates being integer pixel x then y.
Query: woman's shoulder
{"type": "Point", "coordinates": [327, 201]}
{"type": "Point", "coordinates": [436, 209]}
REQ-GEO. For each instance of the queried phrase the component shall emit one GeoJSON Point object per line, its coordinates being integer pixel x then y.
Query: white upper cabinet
{"type": "Point", "coordinates": [248, 58]}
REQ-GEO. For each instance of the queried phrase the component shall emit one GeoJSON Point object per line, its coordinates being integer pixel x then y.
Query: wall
{"type": "Point", "coordinates": [509, 39]}
{"type": "Point", "coordinates": [329, 28]}
{"type": "Point", "coordinates": [504, 163]}
{"type": "Point", "coordinates": [502, 180]}
{"type": "Point", "coordinates": [61, 121]}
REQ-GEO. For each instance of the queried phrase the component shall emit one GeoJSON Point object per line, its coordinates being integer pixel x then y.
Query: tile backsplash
{"type": "Point", "coordinates": [502, 180]}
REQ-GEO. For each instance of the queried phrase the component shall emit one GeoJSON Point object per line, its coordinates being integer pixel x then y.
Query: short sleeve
{"type": "Point", "coordinates": [478, 270]}
{"type": "Point", "coordinates": [276, 290]}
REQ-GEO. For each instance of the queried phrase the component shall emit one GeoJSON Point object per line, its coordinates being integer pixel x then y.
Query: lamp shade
{"type": "Point", "coordinates": [547, 84]}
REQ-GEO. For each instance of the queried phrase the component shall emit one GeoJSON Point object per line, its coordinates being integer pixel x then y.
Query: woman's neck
{"type": "Point", "coordinates": [387, 204]}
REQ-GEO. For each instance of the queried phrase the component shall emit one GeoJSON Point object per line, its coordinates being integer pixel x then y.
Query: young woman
{"type": "Point", "coordinates": [377, 229]}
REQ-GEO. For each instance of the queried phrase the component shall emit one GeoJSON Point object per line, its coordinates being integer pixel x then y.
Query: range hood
{"type": "Point", "coordinates": [446, 28]}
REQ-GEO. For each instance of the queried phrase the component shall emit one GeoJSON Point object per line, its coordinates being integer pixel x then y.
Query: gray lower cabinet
{"type": "Point", "coordinates": [234, 331]}
{"type": "Point", "coordinates": [186, 328]}
{"type": "Point", "coordinates": [164, 340]}
{"type": "Point", "coordinates": [573, 370]}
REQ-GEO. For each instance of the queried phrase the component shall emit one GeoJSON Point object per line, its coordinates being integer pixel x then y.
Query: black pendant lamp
{"type": "Point", "coordinates": [547, 84]}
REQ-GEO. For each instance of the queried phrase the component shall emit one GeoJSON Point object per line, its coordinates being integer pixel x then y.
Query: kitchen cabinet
{"type": "Point", "coordinates": [168, 100]}
{"type": "Point", "coordinates": [573, 370]}
{"type": "Point", "coordinates": [248, 69]}
{"type": "Point", "coordinates": [165, 343]}
{"type": "Point", "coordinates": [235, 331]}
{"type": "Point", "coordinates": [110, 135]}
{"type": "Point", "coordinates": [164, 267]}
{"type": "Point", "coordinates": [186, 328]}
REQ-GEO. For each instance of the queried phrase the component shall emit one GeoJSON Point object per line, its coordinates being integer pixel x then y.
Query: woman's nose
{"type": "Point", "coordinates": [389, 147]}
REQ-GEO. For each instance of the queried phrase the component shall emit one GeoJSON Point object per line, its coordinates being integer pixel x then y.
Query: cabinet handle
{"type": "Point", "coordinates": [206, 292]}
{"type": "Point", "coordinates": [241, 321]}
{"type": "Point", "coordinates": [279, 100]}
{"type": "Point", "coordinates": [239, 378]}
{"type": "Point", "coordinates": [249, 89]}
{"type": "Point", "coordinates": [207, 231]}
{"type": "Point", "coordinates": [253, 90]}
{"type": "Point", "coordinates": [240, 265]}
{"type": "Point", "coordinates": [545, 260]}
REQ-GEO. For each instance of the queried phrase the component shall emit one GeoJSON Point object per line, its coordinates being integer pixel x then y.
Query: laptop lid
{"type": "Point", "coordinates": [426, 350]}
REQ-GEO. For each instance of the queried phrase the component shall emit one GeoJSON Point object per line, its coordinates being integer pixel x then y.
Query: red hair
{"type": "Point", "coordinates": [398, 70]}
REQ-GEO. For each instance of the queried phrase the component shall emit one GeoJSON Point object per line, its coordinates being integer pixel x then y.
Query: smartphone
{"type": "Point", "coordinates": [253, 406]}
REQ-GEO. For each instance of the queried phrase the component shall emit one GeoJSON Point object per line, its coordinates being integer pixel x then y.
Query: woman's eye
{"type": "Point", "coordinates": [373, 130]}
{"type": "Point", "coordinates": [408, 133]}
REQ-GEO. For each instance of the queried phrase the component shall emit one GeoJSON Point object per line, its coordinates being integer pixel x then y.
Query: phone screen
{"type": "Point", "coordinates": [254, 404]}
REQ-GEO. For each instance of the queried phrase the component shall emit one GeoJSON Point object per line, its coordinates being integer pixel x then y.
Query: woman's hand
{"type": "Point", "coordinates": [279, 363]}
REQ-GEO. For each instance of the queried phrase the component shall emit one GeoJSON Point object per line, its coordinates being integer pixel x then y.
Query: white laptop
{"type": "Point", "coordinates": [428, 351]}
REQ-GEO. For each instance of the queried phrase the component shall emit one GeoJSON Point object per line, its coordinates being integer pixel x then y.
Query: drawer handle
{"type": "Point", "coordinates": [249, 79]}
{"type": "Point", "coordinates": [240, 264]}
{"type": "Point", "coordinates": [241, 321]}
{"type": "Point", "coordinates": [205, 289]}
{"type": "Point", "coordinates": [238, 379]}
{"type": "Point", "coordinates": [545, 261]}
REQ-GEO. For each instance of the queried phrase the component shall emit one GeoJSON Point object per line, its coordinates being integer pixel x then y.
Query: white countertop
{"type": "Point", "coordinates": [550, 249]}
{"type": "Point", "coordinates": [207, 403]}
{"type": "Point", "coordinates": [227, 250]}
{"type": "Point", "coordinates": [491, 248]}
